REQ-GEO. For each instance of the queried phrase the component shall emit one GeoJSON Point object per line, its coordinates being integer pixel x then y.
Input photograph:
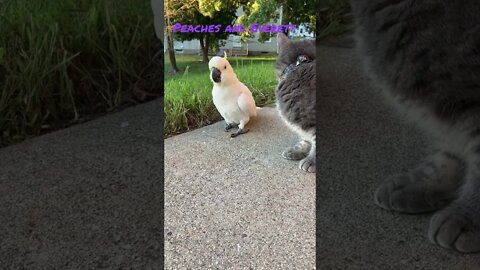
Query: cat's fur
{"type": "Point", "coordinates": [295, 98]}
{"type": "Point", "coordinates": [426, 57]}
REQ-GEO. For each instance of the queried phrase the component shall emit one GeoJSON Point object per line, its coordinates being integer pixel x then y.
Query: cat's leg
{"type": "Point", "coordinates": [458, 225]}
{"type": "Point", "coordinates": [430, 186]}
{"type": "Point", "coordinates": [309, 163]}
{"type": "Point", "coordinates": [241, 128]}
{"type": "Point", "coordinates": [298, 151]}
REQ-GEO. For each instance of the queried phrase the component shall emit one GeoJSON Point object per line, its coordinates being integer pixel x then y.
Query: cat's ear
{"type": "Point", "coordinates": [282, 39]}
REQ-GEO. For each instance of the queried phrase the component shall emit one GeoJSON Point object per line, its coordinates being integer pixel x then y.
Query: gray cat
{"type": "Point", "coordinates": [426, 56]}
{"type": "Point", "coordinates": [295, 96]}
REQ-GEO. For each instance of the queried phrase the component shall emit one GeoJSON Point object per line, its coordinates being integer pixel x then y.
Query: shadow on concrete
{"type": "Point", "coordinates": [86, 197]}
{"type": "Point", "coordinates": [360, 142]}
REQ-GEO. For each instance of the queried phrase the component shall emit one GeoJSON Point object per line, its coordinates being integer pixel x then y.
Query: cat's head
{"type": "Point", "coordinates": [289, 51]}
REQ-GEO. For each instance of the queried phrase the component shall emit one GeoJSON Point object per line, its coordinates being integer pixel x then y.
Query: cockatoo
{"type": "Point", "coordinates": [232, 98]}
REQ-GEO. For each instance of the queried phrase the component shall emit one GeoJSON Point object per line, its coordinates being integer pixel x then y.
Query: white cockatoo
{"type": "Point", "coordinates": [232, 98]}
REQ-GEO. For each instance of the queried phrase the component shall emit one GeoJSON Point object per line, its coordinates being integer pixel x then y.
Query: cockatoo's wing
{"type": "Point", "coordinates": [246, 103]}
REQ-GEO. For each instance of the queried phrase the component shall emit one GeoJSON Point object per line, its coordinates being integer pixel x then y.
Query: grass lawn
{"type": "Point", "coordinates": [332, 21]}
{"type": "Point", "coordinates": [188, 95]}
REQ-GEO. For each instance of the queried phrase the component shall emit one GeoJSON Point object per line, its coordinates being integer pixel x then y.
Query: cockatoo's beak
{"type": "Point", "coordinates": [216, 75]}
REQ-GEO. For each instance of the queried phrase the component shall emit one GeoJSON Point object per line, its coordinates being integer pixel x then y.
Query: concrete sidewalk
{"type": "Point", "coordinates": [361, 141]}
{"type": "Point", "coordinates": [236, 203]}
{"type": "Point", "coordinates": [86, 197]}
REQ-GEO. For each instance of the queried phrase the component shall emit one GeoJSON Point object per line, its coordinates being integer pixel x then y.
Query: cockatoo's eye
{"type": "Point", "coordinates": [225, 67]}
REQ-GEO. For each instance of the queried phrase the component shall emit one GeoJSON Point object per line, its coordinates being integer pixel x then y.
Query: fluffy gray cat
{"type": "Point", "coordinates": [295, 96]}
{"type": "Point", "coordinates": [426, 57]}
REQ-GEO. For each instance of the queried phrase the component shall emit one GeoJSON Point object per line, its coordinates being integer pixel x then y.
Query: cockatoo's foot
{"type": "Point", "coordinates": [239, 131]}
{"type": "Point", "coordinates": [228, 126]}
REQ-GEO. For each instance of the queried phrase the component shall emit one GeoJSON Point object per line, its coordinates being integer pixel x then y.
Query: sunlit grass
{"type": "Point", "coordinates": [331, 18]}
{"type": "Point", "coordinates": [61, 61]}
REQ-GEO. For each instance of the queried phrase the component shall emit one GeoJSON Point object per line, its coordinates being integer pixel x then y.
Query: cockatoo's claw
{"type": "Point", "coordinates": [239, 131]}
{"type": "Point", "coordinates": [228, 127]}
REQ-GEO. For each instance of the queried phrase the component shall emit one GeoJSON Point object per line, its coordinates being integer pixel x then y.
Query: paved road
{"type": "Point", "coordinates": [360, 142]}
{"type": "Point", "coordinates": [236, 203]}
{"type": "Point", "coordinates": [86, 197]}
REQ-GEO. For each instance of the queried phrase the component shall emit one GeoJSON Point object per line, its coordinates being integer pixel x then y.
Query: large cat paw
{"type": "Point", "coordinates": [405, 194]}
{"type": "Point", "coordinates": [456, 227]}
{"type": "Point", "coordinates": [298, 151]}
{"type": "Point", "coordinates": [308, 164]}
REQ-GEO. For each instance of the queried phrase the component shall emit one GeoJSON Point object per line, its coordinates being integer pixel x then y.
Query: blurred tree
{"type": "Point", "coordinates": [205, 12]}
{"type": "Point", "coordinates": [172, 9]}
{"type": "Point", "coordinates": [261, 12]}
{"type": "Point", "coordinates": [297, 12]}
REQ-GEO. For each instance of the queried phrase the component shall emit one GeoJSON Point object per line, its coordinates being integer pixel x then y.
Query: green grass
{"type": "Point", "coordinates": [331, 18]}
{"type": "Point", "coordinates": [188, 97]}
{"type": "Point", "coordinates": [65, 61]}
